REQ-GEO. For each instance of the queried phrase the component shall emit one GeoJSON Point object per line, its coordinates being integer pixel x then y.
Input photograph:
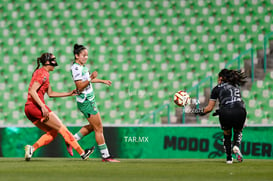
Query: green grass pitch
{"type": "Point", "coordinates": [74, 169]}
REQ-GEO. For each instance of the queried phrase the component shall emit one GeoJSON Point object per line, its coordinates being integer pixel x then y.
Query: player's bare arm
{"type": "Point", "coordinates": [81, 85]}
{"type": "Point", "coordinates": [107, 82]}
{"type": "Point", "coordinates": [210, 106]}
{"type": "Point", "coordinates": [51, 93]}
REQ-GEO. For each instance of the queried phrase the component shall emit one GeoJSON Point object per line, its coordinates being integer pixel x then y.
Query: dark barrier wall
{"type": "Point", "coordinates": [145, 142]}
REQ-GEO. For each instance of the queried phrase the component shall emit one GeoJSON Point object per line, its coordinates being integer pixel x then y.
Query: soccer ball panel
{"type": "Point", "coordinates": [181, 98]}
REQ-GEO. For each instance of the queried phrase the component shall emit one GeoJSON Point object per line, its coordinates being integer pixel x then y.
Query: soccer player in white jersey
{"type": "Point", "coordinates": [86, 100]}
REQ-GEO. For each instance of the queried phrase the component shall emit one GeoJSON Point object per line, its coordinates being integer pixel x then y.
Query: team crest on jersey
{"type": "Point", "coordinates": [44, 79]}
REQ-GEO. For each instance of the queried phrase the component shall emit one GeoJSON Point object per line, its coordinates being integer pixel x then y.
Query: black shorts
{"type": "Point", "coordinates": [232, 118]}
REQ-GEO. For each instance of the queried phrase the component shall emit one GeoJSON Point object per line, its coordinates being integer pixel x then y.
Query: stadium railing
{"type": "Point", "coordinates": [197, 87]}
{"type": "Point", "coordinates": [266, 38]}
{"type": "Point", "coordinates": [238, 59]}
{"type": "Point", "coordinates": [153, 114]}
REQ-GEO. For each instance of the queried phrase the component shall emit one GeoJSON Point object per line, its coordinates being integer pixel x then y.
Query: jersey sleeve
{"type": "Point", "coordinates": [76, 73]}
{"type": "Point", "coordinates": [214, 93]}
{"type": "Point", "coordinates": [39, 76]}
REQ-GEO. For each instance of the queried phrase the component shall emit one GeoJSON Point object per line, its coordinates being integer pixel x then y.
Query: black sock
{"type": "Point", "coordinates": [237, 138]}
{"type": "Point", "coordinates": [227, 145]}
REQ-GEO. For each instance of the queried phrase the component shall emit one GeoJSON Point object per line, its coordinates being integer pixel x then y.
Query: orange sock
{"type": "Point", "coordinates": [68, 137]}
{"type": "Point", "coordinates": [45, 139]}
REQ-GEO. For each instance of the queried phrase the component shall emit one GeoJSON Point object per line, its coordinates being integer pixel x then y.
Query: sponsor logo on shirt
{"type": "Point", "coordinates": [77, 75]}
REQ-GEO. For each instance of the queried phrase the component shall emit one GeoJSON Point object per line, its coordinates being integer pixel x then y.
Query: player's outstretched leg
{"type": "Point", "coordinates": [28, 152]}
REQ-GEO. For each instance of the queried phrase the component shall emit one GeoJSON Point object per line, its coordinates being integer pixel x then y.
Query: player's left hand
{"type": "Point", "coordinates": [107, 82]}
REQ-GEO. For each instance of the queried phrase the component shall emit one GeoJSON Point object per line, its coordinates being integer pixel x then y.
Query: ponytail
{"type": "Point", "coordinates": [239, 77]}
{"type": "Point", "coordinates": [38, 65]}
{"type": "Point", "coordinates": [77, 49]}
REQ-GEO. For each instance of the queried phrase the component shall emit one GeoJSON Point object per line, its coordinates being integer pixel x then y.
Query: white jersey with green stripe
{"type": "Point", "coordinates": [81, 72]}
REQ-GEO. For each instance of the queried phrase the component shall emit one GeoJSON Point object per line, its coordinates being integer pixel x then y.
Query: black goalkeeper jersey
{"type": "Point", "coordinates": [229, 96]}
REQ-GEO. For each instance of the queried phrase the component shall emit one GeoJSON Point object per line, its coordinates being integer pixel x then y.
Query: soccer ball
{"type": "Point", "coordinates": [181, 98]}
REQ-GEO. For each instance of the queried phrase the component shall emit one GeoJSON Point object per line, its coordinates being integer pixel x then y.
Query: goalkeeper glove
{"type": "Point", "coordinates": [199, 111]}
{"type": "Point", "coordinates": [216, 112]}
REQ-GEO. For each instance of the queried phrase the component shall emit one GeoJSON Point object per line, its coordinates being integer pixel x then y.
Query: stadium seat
{"type": "Point", "coordinates": [152, 46]}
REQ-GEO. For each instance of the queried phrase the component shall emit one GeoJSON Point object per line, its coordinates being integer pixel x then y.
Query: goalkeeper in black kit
{"type": "Point", "coordinates": [232, 112]}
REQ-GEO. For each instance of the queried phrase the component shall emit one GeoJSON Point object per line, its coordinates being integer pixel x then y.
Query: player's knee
{"type": "Point", "coordinates": [237, 130]}
{"type": "Point", "coordinates": [90, 128]}
{"type": "Point", "coordinates": [227, 132]}
{"type": "Point", "coordinates": [98, 128]}
{"type": "Point", "coordinates": [53, 133]}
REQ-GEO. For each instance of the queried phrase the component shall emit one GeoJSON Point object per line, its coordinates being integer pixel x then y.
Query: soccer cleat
{"type": "Point", "coordinates": [238, 153]}
{"type": "Point", "coordinates": [229, 160]}
{"type": "Point", "coordinates": [28, 152]}
{"type": "Point", "coordinates": [87, 153]}
{"type": "Point", "coordinates": [69, 149]}
{"type": "Point", "coordinates": [109, 159]}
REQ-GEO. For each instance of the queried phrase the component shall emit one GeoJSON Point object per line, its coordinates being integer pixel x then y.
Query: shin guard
{"type": "Point", "coordinates": [69, 138]}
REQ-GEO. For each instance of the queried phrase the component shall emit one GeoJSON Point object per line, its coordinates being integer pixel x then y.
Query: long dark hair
{"type": "Point", "coordinates": [77, 49]}
{"type": "Point", "coordinates": [234, 77]}
{"type": "Point", "coordinates": [42, 59]}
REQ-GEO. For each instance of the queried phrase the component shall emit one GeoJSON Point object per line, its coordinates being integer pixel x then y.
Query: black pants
{"type": "Point", "coordinates": [232, 118]}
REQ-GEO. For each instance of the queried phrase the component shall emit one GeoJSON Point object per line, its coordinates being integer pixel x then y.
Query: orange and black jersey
{"type": "Point", "coordinates": [41, 76]}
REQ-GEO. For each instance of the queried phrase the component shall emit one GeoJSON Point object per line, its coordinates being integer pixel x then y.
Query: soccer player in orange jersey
{"type": "Point", "coordinates": [40, 114]}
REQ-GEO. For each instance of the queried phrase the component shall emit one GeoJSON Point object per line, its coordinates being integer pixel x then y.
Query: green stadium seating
{"type": "Point", "coordinates": [152, 47]}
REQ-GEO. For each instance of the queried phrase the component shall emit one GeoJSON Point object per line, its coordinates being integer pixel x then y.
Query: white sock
{"type": "Point", "coordinates": [104, 150]}
{"type": "Point", "coordinates": [77, 137]}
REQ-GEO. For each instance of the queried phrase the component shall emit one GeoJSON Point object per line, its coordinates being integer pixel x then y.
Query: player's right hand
{"type": "Point", "coordinates": [94, 75]}
{"type": "Point", "coordinates": [45, 111]}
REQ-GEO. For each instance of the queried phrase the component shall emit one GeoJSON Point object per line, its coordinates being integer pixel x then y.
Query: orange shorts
{"type": "Point", "coordinates": [34, 113]}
